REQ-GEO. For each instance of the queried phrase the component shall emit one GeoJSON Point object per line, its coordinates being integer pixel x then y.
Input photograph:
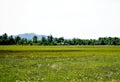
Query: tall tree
{"type": "Point", "coordinates": [11, 40]}
{"type": "Point", "coordinates": [61, 40]}
{"type": "Point", "coordinates": [4, 40]}
{"type": "Point", "coordinates": [35, 39]}
{"type": "Point", "coordinates": [17, 39]}
{"type": "Point", "coordinates": [43, 39]}
{"type": "Point", "coordinates": [50, 38]}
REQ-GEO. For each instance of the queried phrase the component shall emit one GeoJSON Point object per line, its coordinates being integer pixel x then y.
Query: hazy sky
{"type": "Point", "coordinates": [68, 18]}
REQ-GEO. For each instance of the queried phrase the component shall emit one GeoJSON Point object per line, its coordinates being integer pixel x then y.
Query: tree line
{"type": "Point", "coordinates": [50, 40]}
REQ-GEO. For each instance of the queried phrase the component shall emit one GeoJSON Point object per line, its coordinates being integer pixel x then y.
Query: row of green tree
{"type": "Point", "coordinates": [50, 40]}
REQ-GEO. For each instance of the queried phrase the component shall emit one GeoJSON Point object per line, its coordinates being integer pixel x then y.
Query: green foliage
{"type": "Point", "coordinates": [4, 39]}
{"type": "Point", "coordinates": [34, 39]}
{"type": "Point", "coordinates": [17, 39]}
{"type": "Point", "coordinates": [11, 40]}
{"type": "Point", "coordinates": [50, 40]}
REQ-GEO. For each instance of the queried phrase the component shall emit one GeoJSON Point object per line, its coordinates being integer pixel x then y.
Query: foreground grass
{"type": "Point", "coordinates": [59, 63]}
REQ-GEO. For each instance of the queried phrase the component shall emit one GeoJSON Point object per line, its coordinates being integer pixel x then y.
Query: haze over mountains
{"type": "Point", "coordinates": [29, 36]}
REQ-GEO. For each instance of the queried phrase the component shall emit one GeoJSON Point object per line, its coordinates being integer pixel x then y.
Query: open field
{"type": "Point", "coordinates": [59, 63]}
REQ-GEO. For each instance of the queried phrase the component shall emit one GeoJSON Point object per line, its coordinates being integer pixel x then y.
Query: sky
{"type": "Point", "coordinates": [68, 18]}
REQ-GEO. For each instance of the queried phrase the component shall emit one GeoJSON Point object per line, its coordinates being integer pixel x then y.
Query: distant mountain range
{"type": "Point", "coordinates": [29, 36]}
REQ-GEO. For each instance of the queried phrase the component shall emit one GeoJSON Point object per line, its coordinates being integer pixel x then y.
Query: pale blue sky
{"type": "Point", "coordinates": [68, 18]}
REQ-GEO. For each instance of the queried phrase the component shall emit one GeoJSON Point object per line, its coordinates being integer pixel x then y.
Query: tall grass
{"type": "Point", "coordinates": [59, 63]}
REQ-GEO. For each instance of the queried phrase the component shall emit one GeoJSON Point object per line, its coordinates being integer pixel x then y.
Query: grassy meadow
{"type": "Point", "coordinates": [59, 63]}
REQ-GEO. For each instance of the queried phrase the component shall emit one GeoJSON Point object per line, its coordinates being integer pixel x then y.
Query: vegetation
{"type": "Point", "coordinates": [50, 40]}
{"type": "Point", "coordinates": [20, 62]}
{"type": "Point", "coordinates": [59, 63]}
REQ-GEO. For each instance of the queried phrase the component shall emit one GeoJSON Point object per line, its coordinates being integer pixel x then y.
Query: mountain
{"type": "Point", "coordinates": [29, 36]}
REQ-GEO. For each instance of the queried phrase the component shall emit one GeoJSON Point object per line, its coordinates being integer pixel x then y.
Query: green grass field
{"type": "Point", "coordinates": [59, 63]}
